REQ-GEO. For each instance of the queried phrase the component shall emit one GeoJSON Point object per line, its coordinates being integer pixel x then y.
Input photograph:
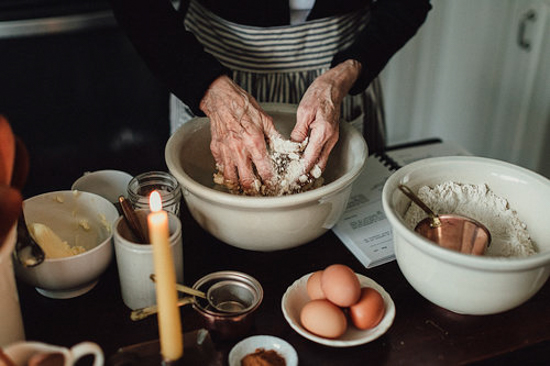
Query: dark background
{"type": "Point", "coordinates": [77, 97]}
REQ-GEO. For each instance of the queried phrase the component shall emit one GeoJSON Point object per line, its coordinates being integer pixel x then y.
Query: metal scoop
{"type": "Point", "coordinates": [455, 232]}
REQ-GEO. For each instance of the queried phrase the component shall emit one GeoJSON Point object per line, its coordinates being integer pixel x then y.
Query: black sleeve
{"type": "Point", "coordinates": [174, 55]}
{"type": "Point", "coordinates": [177, 58]}
{"type": "Point", "coordinates": [392, 24]}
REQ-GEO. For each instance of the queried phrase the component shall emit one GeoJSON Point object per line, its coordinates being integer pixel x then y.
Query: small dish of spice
{"type": "Point", "coordinates": [263, 350]}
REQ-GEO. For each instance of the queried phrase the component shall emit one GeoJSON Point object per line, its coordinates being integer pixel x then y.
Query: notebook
{"type": "Point", "coordinates": [363, 227]}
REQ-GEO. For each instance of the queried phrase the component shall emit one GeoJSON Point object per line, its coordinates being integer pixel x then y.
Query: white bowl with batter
{"type": "Point", "coordinates": [263, 223]}
{"type": "Point", "coordinates": [465, 283]}
{"type": "Point", "coordinates": [81, 219]}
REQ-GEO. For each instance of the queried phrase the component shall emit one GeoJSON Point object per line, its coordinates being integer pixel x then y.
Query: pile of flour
{"type": "Point", "coordinates": [508, 233]}
{"type": "Point", "coordinates": [289, 176]}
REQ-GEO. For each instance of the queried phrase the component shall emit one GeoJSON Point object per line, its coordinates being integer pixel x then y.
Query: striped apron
{"type": "Point", "coordinates": [277, 64]}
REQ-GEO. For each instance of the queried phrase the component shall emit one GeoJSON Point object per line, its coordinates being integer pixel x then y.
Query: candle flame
{"type": "Point", "coordinates": [155, 202]}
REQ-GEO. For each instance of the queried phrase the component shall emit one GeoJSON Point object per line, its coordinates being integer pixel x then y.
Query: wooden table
{"type": "Point", "coordinates": [422, 333]}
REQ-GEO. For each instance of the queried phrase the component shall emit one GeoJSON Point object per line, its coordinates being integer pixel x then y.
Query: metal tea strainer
{"type": "Point", "coordinates": [226, 296]}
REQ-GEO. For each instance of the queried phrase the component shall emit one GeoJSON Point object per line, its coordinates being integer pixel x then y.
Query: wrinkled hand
{"type": "Point", "coordinates": [318, 114]}
{"type": "Point", "coordinates": [239, 129]}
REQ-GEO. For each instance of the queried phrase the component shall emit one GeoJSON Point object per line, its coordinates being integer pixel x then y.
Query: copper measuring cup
{"type": "Point", "coordinates": [455, 232]}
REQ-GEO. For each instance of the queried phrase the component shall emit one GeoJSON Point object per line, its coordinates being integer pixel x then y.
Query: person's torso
{"type": "Point", "coordinates": [275, 12]}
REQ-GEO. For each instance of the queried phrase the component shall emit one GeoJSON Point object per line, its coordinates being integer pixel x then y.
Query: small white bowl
{"type": "Point", "coordinates": [462, 283]}
{"type": "Point", "coordinates": [109, 184]}
{"type": "Point", "coordinates": [63, 212]}
{"type": "Point", "coordinates": [295, 298]}
{"type": "Point", "coordinates": [251, 344]}
{"type": "Point", "coordinates": [263, 223]}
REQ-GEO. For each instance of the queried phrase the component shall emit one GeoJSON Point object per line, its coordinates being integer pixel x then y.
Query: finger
{"type": "Point", "coordinates": [321, 133]}
{"type": "Point", "coordinates": [216, 153]}
{"type": "Point", "coordinates": [229, 168]}
{"type": "Point", "coordinates": [304, 118]}
{"type": "Point", "coordinates": [248, 180]}
{"type": "Point", "coordinates": [216, 141]}
{"type": "Point", "coordinates": [322, 161]}
{"type": "Point", "coordinates": [256, 146]}
{"type": "Point", "coordinates": [263, 164]}
{"type": "Point", "coordinates": [241, 159]}
{"type": "Point", "coordinates": [312, 153]}
{"type": "Point", "coordinates": [270, 131]}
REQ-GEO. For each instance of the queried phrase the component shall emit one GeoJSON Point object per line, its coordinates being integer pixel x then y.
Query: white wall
{"type": "Point", "coordinates": [464, 78]}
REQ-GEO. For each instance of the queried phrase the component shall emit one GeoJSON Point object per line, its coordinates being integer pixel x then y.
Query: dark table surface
{"type": "Point", "coordinates": [422, 333]}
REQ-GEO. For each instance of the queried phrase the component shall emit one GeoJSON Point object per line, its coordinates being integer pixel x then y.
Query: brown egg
{"type": "Point", "coordinates": [314, 289]}
{"type": "Point", "coordinates": [369, 310]}
{"type": "Point", "coordinates": [323, 318]}
{"type": "Point", "coordinates": [340, 285]}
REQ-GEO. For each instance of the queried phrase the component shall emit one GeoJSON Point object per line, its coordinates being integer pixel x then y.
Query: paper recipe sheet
{"type": "Point", "coordinates": [364, 228]}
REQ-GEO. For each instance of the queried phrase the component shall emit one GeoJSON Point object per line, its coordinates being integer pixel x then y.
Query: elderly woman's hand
{"type": "Point", "coordinates": [239, 130]}
{"type": "Point", "coordinates": [318, 114]}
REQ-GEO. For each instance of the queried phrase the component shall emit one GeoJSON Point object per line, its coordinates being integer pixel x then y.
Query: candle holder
{"type": "Point", "coordinates": [199, 349]}
{"type": "Point", "coordinates": [178, 362]}
{"type": "Point", "coordinates": [141, 186]}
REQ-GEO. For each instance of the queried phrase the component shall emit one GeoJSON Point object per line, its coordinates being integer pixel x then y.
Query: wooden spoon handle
{"type": "Point", "coordinates": [132, 220]}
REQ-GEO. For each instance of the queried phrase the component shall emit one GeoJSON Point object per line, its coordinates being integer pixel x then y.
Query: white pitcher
{"type": "Point", "coordinates": [21, 352]}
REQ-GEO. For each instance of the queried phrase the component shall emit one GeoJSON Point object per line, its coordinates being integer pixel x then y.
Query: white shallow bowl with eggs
{"type": "Point", "coordinates": [468, 284]}
{"type": "Point", "coordinates": [263, 223]}
{"type": "Point", "coordinates": [79, 218]}
{"type": "Point", "coordinates": [296, 297]}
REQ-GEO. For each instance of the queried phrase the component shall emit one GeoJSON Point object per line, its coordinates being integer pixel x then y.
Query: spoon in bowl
{"type": "Point", "coordinates": [451, 231]}
{"type": "Point", "coordinates": [27, 251]}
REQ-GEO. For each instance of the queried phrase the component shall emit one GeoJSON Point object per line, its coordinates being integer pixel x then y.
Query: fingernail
{"type": "Point", "coordinates": [316, 171]}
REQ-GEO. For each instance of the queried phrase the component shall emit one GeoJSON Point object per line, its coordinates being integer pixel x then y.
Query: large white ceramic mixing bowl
{"type": "Point", "coordinates": [263, 223]}
{"type": "Point", "coordinates": [465, 283]}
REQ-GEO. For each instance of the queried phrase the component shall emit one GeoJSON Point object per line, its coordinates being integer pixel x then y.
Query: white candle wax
{"type": "Point", "coordinates": [170, 333]}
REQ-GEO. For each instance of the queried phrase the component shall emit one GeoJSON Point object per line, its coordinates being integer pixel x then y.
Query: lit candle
{"type": "Point", "coordinates": [171, 339]}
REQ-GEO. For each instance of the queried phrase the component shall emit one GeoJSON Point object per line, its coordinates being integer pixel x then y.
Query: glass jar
{"type": "Point", "coordinates": [141, 186]}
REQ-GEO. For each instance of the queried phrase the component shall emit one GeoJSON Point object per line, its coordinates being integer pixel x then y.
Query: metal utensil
{"type": "Point", "coordinates": [27, 251]}
{"type": "Point", "coordinates": [223, 296]}
{"type": "Point", "coordinates": [230, 296]}
{"type": "Point", "coordinates": [455, 232]}
{"type": "Point", "coordinates": [140, 314]}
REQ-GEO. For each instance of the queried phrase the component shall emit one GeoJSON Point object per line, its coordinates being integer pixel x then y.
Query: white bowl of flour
{"type": "Point", "coordinates": [511, 201]}
{"type": "Point", "coordinates": [255, 222]}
